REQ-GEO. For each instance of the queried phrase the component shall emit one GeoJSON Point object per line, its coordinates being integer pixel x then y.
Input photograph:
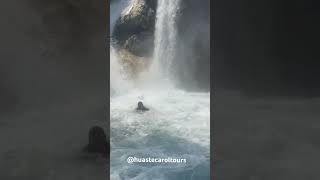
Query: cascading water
{"type": "Point", "coordinates": [177, 124]}
{"type": "Point", "coordinates": [165, 39]}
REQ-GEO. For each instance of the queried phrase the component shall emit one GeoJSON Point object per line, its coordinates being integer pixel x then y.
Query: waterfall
{"type": "Point", "coordinates": [164, 50]}
{"type": "Point", "coordinates": [165, 39]}
{"type": "Point", "coordinates": [178, 123]}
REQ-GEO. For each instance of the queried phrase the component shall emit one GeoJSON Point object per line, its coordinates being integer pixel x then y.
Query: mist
{"type": "Point", "coordinates": [174, 121]}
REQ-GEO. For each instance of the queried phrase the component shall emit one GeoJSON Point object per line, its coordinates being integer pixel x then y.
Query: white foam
{"type": "Point", "coordinates": [178, 124]}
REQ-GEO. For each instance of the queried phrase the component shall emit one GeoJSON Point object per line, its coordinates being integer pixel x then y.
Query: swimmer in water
{"type": "Point", "coordinates": [141, 107]}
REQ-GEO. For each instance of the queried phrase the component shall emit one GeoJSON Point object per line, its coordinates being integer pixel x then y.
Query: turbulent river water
{"type": "Point", "coordinates": [177, 124]}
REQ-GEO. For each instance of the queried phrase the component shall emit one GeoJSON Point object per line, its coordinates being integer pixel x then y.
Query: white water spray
{"type": "Point", "coordinates": [165, 39]}
{"type": "Point", "coordinates": [118, 77]}
{"type": "Point", "coordinates": [177, 124]}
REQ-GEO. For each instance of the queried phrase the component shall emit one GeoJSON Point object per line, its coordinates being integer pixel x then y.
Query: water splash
{"type": "Point", "coordinates": [178, 122]}
{"type": "Point", "coordinates": [165, 39]}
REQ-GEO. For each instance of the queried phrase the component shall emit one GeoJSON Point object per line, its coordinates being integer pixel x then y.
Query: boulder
{"type": "Point", "coordinates": [132, 63]}
{"type": "Point", "coordinates": [135, 27]}
{"type": "Point", "coordinates": [139, 44]}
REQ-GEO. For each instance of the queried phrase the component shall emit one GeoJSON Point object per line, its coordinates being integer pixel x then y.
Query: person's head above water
{"type": "Point", "coordinates": [140, 105]}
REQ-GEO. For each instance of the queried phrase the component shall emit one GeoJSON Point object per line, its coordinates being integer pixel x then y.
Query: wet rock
{"type": "Point", "coordinates": [134, 29]}
{"type": "Point", "coordinates": [139, 44]}
{"type": "Point", "coordinates": [132, 63]}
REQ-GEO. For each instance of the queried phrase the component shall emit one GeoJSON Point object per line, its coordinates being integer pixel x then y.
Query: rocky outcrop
{"type": "Point", "coordinates": [97, 142]}
{"type": "Point", "coordinates": [140, 44]}
{"type": "Point", "coordinates": [134, 29]}
{"type": "Point", "coordinates": [132, 63]}
{"type": "Point", "coordinates": [134, 33]}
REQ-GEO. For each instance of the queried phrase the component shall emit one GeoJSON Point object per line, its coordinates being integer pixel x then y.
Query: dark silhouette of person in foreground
{"type": "Point", "coordinates": [141, 107]}
{"type": "Point", "coordinates": [97, 142]}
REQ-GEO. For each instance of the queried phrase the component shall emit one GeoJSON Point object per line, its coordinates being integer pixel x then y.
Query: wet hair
{"type": "Point", "coordinates": [140, 104]}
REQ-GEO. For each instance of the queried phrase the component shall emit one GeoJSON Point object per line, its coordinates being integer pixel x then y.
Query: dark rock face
{"type": "Point", "coordinates": [97, 142]}
{"type": "Point", "coordinates": [134, 29]}
{"type": "Point", "coordinates": [139, 44]}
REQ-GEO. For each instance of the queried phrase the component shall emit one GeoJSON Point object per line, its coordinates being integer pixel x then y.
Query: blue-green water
{"type": "Point", "coordinates": [176, 126]}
